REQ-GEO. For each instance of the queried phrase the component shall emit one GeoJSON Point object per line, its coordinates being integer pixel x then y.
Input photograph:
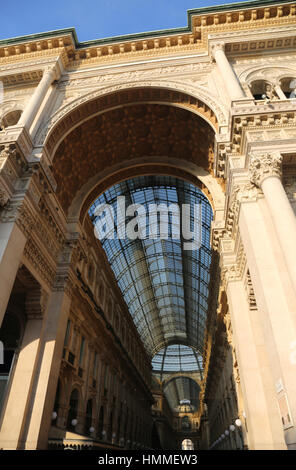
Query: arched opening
{"type": "Point", "coordinates": [72, 420]}
{"type": "Point", "coordinates": [88, 417]}
{"type": "Point", "coordinates": [151, 155]}
{"type": "Point", "coordinates": [110, 427]}
{"type": "Point", "coordinates": [10, 119]}
{"type": "Point", "coordinates": [288, 86]}
{"type": "Point", "coordinates": [127, 138]}
{"type": "Point", "coordinates": [101, 423]}
{"type": "Point", "coordinates": [57, 402]}
{"type": "Point", "coordinates": [261, 90]}
{"type": "Point", "coordinates": [183, 394]}
{"type": "Point", "coordinates": [187, 444]}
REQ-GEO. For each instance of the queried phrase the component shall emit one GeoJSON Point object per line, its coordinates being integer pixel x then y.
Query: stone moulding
{"type": "Point", "coordinates": [46, 134]}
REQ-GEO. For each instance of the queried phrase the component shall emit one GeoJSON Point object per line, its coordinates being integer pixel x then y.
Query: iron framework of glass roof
{"type": "Point", "coordinates": [164, 286]}
{"type": "Point", "coordinates": [177, 358]}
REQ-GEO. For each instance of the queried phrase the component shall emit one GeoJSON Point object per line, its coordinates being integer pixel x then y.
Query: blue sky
{"type": "Point", "coordinates": [94, 19]}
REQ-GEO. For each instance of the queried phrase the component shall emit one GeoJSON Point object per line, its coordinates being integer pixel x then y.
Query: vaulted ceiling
{"type": "Point", "coordinates": [127, 133]}
{"type": "Point", "coordinates": [164, 286]}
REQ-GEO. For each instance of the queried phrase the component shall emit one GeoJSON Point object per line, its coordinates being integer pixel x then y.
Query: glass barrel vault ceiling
{"type": "Point", "coordinates": [164, 286]}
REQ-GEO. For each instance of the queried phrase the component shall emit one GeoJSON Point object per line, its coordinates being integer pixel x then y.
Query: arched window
{"type": "Point", "coordinates": [88, 417]}
{"type": "Point", "coordinates": [261, 90]}
{"type": "Point", "coordinates": [73, 410]}
{"type": "Point", "coordinates": [110, 427]}
{"type": "Point", "coordinates": [126, 425]}
{"type": "Point", "coordinates": [11, 118]}
{"type": "Point", "coordinates": [288, 86]}
{"type": "Point", "coordinates": [57, 398]}
{"type": "Point", "coordinates": [101, 423]}
{"type": "Point", "coordinates": [187, 444]}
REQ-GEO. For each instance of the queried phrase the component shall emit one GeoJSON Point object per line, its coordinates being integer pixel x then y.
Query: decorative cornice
{"type": "Point", "coordinates": [264, 166]}
{"type": "Point", "coordinates": [261, 123]}
{"type": "Point", "coordinates": [36, 301]}
{"type": "Point", "coordinates": [201, 23]}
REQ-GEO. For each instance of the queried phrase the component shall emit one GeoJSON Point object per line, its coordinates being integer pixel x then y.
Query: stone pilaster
{"type": "Point", "coordinates": [235, 91]}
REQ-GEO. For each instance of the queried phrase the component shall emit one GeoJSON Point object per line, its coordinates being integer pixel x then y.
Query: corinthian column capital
{"type": "Point", "coordinates": [215, 47]}
{"type": "Point", "coordinates": [51, 72]}
{"type": "Point", "coordinates": [264, 166]}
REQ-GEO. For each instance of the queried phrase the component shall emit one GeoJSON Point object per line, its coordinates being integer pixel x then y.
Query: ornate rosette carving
{"type": "Point", "coordinates": [264, 166]}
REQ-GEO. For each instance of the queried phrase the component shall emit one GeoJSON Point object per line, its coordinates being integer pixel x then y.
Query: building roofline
{"type": "Point", "coordinates": [149, 34]}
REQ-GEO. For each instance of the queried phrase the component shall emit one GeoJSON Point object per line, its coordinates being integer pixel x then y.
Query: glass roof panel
{"type": "Point", "coordinates": [164, 285]}
{"type": "Point", "coordinates": [177, 358]}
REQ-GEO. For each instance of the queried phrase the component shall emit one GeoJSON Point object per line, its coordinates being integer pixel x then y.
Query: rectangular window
{"type": "Point", "coordinates": [67, 335]}
{"type": "Point", "coordinates": [71, 358]}
{"type": "Point", "coordinates": [81, 350]}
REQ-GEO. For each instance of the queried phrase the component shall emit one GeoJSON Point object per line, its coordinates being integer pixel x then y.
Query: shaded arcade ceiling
{"type": "Point", "coordinates": [128, 133]}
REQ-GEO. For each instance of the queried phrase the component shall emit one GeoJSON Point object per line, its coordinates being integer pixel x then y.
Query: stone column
{"type": "Point", "coordinates": [265, 170]}
{"type": "Point", "coordinates": [264, 424]}
{"type": "Point", "coordinates": [232, 84]}
{"type": "Point", "coordinates": [279, 92]}
{"type": "Point", "coordinates": [275, 297]}
{"type": "Point", "coordinates": [36, 99]}
{"type": "Point", "coordinates": [20, 388]}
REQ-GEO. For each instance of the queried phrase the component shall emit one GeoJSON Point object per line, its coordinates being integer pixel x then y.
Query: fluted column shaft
{"type": "Point", "coordinates": [266, 174]}
{"type": "Point", "coordinates": [36, 99]}
{"type": "Point", "coordinates": [233, 86]}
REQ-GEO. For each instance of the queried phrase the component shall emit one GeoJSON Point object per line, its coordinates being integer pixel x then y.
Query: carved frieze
{"type": "Point", "coordinates": [240, 193]}
{"type": "Point", "coordinates": [233, 270]}
{"type": "Point", "coordinates": [97, 100]}
{"type": "Point", "coordinates": [33, 254]}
